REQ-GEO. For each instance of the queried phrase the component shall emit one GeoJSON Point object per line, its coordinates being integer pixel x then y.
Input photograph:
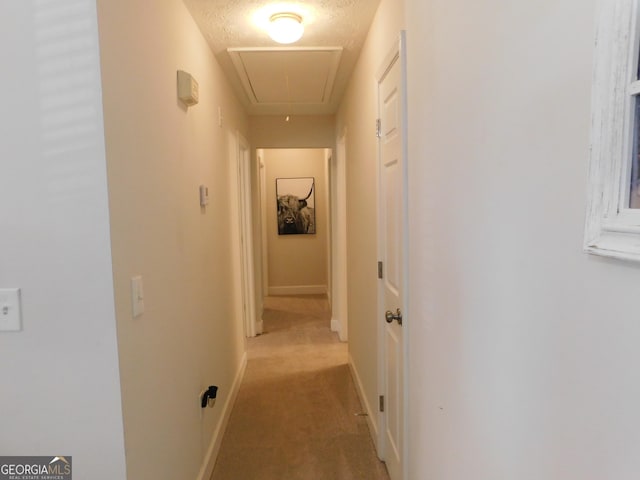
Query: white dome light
{"type": "Point", "coordinates": [285, 27]}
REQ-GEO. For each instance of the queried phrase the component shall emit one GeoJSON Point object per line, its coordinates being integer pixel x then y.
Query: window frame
{"type": "Point", "coordinates": [612, 228]}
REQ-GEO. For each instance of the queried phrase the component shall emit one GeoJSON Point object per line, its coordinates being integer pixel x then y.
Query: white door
{"type": "Point", "coordinates": [391, 241]}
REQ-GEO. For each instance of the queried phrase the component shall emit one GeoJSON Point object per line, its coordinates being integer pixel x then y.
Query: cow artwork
{"type": "Point", "coordinates": [296, 206]}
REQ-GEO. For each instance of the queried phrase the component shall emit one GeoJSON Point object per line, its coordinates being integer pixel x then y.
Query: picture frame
{"type": "Point", "coordinates": [295, 200]}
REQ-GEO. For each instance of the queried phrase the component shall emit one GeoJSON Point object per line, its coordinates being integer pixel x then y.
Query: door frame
{"type": "Point", "coordinates": [262, 201]}
{"type": "Point", "coordinates": [396, 53]}
{"type": "Point", "coordinates": [252, 326]}
{"type": "Point", "coordinates": [338, 198]}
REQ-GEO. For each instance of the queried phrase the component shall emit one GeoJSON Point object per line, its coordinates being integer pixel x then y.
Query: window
{"type": "Point", "coordinates": [613, 212]}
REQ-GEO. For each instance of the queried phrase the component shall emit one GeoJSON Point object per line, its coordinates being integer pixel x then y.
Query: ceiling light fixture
{"type": "Point", "coordinates": [285, 27]}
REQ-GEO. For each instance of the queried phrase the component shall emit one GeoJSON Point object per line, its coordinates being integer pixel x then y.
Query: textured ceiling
{"type": "Point", "coordinates": [328, 23]}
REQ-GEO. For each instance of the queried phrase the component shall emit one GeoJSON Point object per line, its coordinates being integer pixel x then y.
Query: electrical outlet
{"type": "Point", "coordinates": [10, 311]}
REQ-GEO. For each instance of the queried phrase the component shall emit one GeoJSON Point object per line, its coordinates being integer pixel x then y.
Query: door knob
{"type": "Point", "coordinates": [390, 316]}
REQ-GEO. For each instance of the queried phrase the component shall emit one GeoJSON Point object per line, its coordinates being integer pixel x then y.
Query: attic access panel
{"type": "Point", "coordinates": [287, 75]}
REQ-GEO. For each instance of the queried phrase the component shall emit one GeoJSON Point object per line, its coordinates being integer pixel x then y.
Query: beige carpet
{"type": "Point", "coordinates": [294, 418]}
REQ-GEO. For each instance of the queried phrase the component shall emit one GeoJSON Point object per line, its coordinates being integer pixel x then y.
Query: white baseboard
{"type": "Point", "coordinates": [298, 290]}
{"type": "Point", "coordinates": [259, 320]}
{"type": "Point", "coordinates": [336, 326]}
{"type": "Point", "coordinates": [214, 446]}
{"type": "Point", "coordinates": [372, 415]}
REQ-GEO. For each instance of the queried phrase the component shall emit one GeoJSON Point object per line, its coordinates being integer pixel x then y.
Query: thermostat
{"type": "Point", "coordinates": [204, 195]}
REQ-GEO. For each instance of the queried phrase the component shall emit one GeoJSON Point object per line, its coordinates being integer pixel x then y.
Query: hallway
{"type": "Point", "coordinates": [295, 415]}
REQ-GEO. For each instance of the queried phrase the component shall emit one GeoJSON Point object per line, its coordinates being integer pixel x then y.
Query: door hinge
{"type": "Point", "coordinates": [381, 400]}
{"type": "Point", "coordinates": [378, 128]}
{"type": "Point", "coordinates": [379, 269]}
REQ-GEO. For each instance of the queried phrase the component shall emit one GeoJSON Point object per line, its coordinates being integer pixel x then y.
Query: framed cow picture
{"type": "Point", "coordinates": [295, 198]}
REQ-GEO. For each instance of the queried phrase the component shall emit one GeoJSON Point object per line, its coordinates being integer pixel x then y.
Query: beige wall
{"type": "Point", "coordinates": [357, 115]}
{"type": "Point", "coordinates": [305, 131]}
{"type": "Point", "coordinates": [158, 153]}
{"type": "Point", "coordinates": [296, 263]}
{"type": "Point", "coordinates": [524, 349]}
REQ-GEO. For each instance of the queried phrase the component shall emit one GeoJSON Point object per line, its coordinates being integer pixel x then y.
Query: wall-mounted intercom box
{"type": "Point", "coordinates": [188, 91]}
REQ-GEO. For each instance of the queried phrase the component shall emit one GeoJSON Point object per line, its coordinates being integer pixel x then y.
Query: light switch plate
{"type": "Point", "coordinates": [137, 296]}
{"type": "Point", "coordinates": [10, 311]}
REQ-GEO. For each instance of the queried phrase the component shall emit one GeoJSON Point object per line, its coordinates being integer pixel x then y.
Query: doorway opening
{"type": "Point", "coordinates": [296, 219]}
